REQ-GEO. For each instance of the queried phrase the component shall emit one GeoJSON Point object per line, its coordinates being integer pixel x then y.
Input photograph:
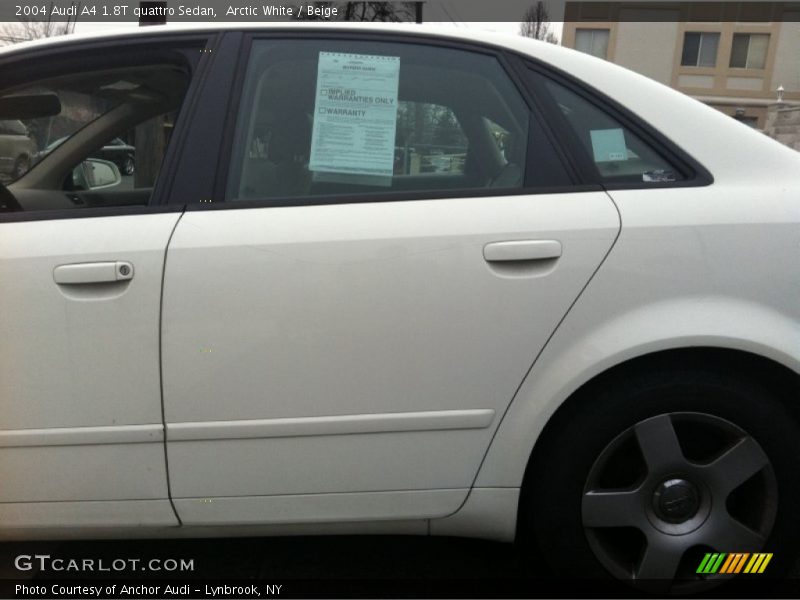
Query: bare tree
{"type": "Point", "coordinates": [536, 23]}
{"type": "Point", "coordinates": [368, 11]}
{"type": "Point", "coordinates": [30, 28]}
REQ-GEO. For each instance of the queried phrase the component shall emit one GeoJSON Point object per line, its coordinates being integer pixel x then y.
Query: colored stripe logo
{"type": "Point", "coordinates": [733, 563]}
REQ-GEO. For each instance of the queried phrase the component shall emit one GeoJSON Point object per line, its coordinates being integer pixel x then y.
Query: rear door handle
{"type": "Point", "coordinates": [94, 272]}
{"type": "Point", "coordinates": [522, 250]}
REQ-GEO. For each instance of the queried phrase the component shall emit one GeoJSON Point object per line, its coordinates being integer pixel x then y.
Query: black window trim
{"type": "Point", "coordinates": [88, 213]}
{"type": "Point", "coordinates": [498, 52]}
{"type": "Point", "coordinates": [61, 56]}
{"type": "Point", "coordinates": [539, 120]}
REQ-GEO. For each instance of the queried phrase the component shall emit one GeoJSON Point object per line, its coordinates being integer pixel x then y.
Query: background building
{"type": "Point", "coordinates": [732, 56]}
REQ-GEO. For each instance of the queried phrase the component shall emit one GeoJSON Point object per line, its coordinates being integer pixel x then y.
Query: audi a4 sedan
{"type": "Point", "coordinates": [580, 330]}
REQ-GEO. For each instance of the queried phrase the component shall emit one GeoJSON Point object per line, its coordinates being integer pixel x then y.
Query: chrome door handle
{"type": "Point", "coordinates": [95, 272]}
{"type": "Point", "coordinates": [522, 250]}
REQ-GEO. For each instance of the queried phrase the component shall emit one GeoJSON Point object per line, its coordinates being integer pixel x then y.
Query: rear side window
{"type": "Point", "coordinates": [618, 154]}
{"type": "Point", "coordinates": [330, 117]}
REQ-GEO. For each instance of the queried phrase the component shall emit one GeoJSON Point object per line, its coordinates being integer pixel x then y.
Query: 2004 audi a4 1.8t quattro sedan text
{"type": "Point", "coordinates": [395, 281]}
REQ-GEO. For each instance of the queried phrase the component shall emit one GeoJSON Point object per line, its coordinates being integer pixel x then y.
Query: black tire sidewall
{"type": "Point", "coordinates": [551, 500]}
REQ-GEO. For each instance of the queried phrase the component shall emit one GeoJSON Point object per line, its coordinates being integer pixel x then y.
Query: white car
{"type": "Point", "coordinates": [16, 149]}
{"type": "Point", "coordinates": [586, 336]}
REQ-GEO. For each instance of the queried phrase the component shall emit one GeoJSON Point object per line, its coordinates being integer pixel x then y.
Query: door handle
{"type": "Point", "coordinates": [522, 250]}
{"type": "Point", "coordinates": [95, 272]}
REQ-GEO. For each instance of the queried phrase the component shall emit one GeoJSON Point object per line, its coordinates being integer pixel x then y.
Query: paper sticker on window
{"type": "Point", "coordinates": [658, 176]}
{"type": "Point", "coordinates": [608, 145]}
{"type": "Point", "coordinates": [355, 118]}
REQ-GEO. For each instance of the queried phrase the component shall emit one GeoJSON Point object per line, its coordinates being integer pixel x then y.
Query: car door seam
{"type": "Point", "coordinates": [161, 364]}
{"type": "Point", "coordinates": [544, 346]}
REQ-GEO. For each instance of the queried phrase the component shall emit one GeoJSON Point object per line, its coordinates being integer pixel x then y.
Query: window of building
{"type": "Point", "coordinates": [345, 117]}
{"type": "Point", "coordinates": [618, 154]}
{"type": "Point", "coordinates": [700, 49]}
{"type": "Point", "coordinates": [749, 50]}
{"type": "Point", "coordinates": [592, 41]}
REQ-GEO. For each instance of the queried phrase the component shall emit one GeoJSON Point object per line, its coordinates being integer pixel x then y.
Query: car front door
{"type": "Point", "coordinates": [81, 430]}
{"type": "Point", "coordinates": [347, 320]}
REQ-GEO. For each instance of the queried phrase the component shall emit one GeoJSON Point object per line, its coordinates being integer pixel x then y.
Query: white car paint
{"type": "Point", "coordinates": [700, 266]}
{"type": "Point", "coordinates": [79, 374]}
{"type": "Point", "coordinates": [457, 335]}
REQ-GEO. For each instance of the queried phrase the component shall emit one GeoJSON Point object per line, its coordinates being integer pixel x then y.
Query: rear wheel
{"type": "Point", "coordinates": [644, 478]}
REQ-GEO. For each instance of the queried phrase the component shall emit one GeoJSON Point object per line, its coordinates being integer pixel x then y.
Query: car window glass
{"type": "Point", "coordinates": [78, 109]}
{"type": "Point", "coordinates": [429, 139]}
{"type": "Point", "coordinates": [501, 136]}
{"type": "Point", "coordinates": [109, 137]}
{"type": "Point", "coordinates": [618, 153]}
{"type": "Point", "coordinates": [355, 117]}
{"type": "Point", "coordinates": [151, 138]}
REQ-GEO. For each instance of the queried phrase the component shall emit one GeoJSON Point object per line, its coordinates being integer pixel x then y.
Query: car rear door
{"type": "Point", "coordinates": [344, 326]}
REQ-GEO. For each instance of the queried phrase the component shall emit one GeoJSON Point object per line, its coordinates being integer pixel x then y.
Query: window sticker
{"type": "Point", "coordinates": [355, 118]}
{"type": "Point", "coordinates": [659, 176]}
{"type": "Point", "coordinates": [608, 145]}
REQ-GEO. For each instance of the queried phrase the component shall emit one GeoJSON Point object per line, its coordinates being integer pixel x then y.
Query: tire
{"type": "Point", "coordinates": [645, 453]}
{"type": "Point", "coordinates": [128, 166]}
{"type": "Point", "coordinates": [21, 166]}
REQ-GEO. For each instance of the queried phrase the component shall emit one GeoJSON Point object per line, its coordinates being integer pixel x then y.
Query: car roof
{"type": "Point", "coordinates": [422, 30]}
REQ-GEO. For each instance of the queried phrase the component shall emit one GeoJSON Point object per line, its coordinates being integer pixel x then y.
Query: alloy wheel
{"type": "Point", "coordinates": [672, 488]}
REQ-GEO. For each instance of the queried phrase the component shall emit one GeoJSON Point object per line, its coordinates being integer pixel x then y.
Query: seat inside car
{"type": "Point", "coordinates": [284, 171]}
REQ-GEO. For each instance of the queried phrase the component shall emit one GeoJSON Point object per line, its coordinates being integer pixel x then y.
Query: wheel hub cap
{"type": "Point", "coordinates": [676, 500]}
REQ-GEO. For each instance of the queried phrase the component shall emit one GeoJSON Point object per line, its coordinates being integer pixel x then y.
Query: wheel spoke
{"type": "Point", "coordinates": [726, 534]}
{"type": "Point", "coordinates": [661, 558]}
{"type": "Point", "coordinates": [612, 509]}
{"type": "Point", "coordinates": [659, 444]}
{"type": "Point", "coordinates": [736, 466]}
